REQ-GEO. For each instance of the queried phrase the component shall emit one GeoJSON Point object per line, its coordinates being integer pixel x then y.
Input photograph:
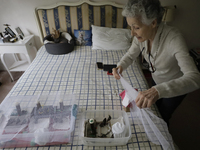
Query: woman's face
{"type": "Point", "coordinates": [142, 31]}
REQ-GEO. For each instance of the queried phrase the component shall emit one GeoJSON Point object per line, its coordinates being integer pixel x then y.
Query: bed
{"type": "Point", "coordinates": [77, 72]}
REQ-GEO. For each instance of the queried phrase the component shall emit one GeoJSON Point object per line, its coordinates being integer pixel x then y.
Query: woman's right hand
{"type": "Point", "coordinates": [115, 72]}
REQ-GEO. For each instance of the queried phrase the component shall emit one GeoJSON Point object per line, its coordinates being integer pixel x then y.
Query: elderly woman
{"type": "Point", "coordinates": [163, 47]}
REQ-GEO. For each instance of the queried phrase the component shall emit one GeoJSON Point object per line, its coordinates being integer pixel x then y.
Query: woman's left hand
{"type": "Point", "coordinates": [147, 98]}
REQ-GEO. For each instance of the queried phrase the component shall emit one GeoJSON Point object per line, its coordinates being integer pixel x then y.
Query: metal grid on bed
{"type": "Point", "coordinates": [77, 73]}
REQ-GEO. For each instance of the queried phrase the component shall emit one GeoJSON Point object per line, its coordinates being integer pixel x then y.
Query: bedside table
{"type": "Point", "coordinates": [195, 54]}
{"type": "Point", "coordinates": [25, 46]}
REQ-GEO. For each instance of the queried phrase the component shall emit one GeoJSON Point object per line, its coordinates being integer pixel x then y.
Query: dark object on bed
{"type": "Point", "coordinates": [109, 67]}
{"type": "Point", "coordinates": [99, 65]}
{"type": "Point", "coordinates": [64, 46]}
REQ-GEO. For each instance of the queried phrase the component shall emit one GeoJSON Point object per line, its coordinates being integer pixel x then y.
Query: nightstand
{"type": "Point", "coordinates": [195, 53]}
{"type": "Point", "coordinates": [26, 47]}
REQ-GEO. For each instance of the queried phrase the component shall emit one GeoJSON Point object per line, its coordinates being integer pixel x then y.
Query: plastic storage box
{"type": "Point", "coordinates": [27, 121]}
{"type": "Point", "coordinates": [99, 115]}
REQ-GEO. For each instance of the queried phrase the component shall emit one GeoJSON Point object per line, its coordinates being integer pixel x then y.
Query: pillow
{"type": "Point", "coordinates": [83, 37]}
{"type": "Point", "coordinates": [110, 38]}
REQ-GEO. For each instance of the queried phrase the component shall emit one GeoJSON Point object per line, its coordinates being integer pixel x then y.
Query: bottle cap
{"type": "Point", "coordinates": [91, 121]}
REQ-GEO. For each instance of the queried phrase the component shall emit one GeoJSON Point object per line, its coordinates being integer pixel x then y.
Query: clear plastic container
{"type": "Point", "coordinates": [27, 121]}
{"type": "Point", "coordinates": [99, 115]}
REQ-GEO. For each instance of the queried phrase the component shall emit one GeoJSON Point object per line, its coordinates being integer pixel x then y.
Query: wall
{"type": "Point", "coordinates": [20, 13]}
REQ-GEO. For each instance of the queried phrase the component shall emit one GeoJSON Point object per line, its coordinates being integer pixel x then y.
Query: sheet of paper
{"type": "Point", "coordinates": [131, 93]}
{"type": "Point", "coordinates": [126, 100]}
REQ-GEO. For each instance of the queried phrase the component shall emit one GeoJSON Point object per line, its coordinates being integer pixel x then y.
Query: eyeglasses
{"type": "Point", "coordinates": [149, 65]}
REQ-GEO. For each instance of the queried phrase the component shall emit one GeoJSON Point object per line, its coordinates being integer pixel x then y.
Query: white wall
{"type": "Point", "coordinates": [20, 13]}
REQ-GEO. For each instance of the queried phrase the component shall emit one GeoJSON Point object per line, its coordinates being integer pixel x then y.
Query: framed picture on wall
{"type": "Point", "coordinates": [19, 31]}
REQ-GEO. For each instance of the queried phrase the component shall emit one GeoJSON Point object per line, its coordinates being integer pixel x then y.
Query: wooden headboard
{"type": "Point", "coordinates": [68, 16]}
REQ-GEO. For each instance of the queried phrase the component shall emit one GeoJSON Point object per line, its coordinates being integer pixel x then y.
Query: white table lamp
{"type": "Point", "coordinates": [168, 14]}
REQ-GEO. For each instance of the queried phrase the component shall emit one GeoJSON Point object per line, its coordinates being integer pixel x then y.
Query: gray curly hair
{"type": "Point", "coordinates": [146, 10]}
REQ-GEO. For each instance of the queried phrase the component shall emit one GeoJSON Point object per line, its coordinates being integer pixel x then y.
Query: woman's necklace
{"type": "Point", "coordinates": [149, 51]}
{"type": "Point", "coordinates": [159, 38]}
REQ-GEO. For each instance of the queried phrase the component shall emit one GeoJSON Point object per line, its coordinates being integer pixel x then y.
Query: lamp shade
{"type": "Point", "coordinates": [169, 13]}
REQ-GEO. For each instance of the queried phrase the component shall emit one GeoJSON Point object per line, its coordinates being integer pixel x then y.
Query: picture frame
{"type": "Point", "coordinates": [19, 31]}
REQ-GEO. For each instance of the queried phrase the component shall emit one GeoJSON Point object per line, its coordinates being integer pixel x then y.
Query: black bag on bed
{"type": "Point", "coordinates": [63, 45]}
